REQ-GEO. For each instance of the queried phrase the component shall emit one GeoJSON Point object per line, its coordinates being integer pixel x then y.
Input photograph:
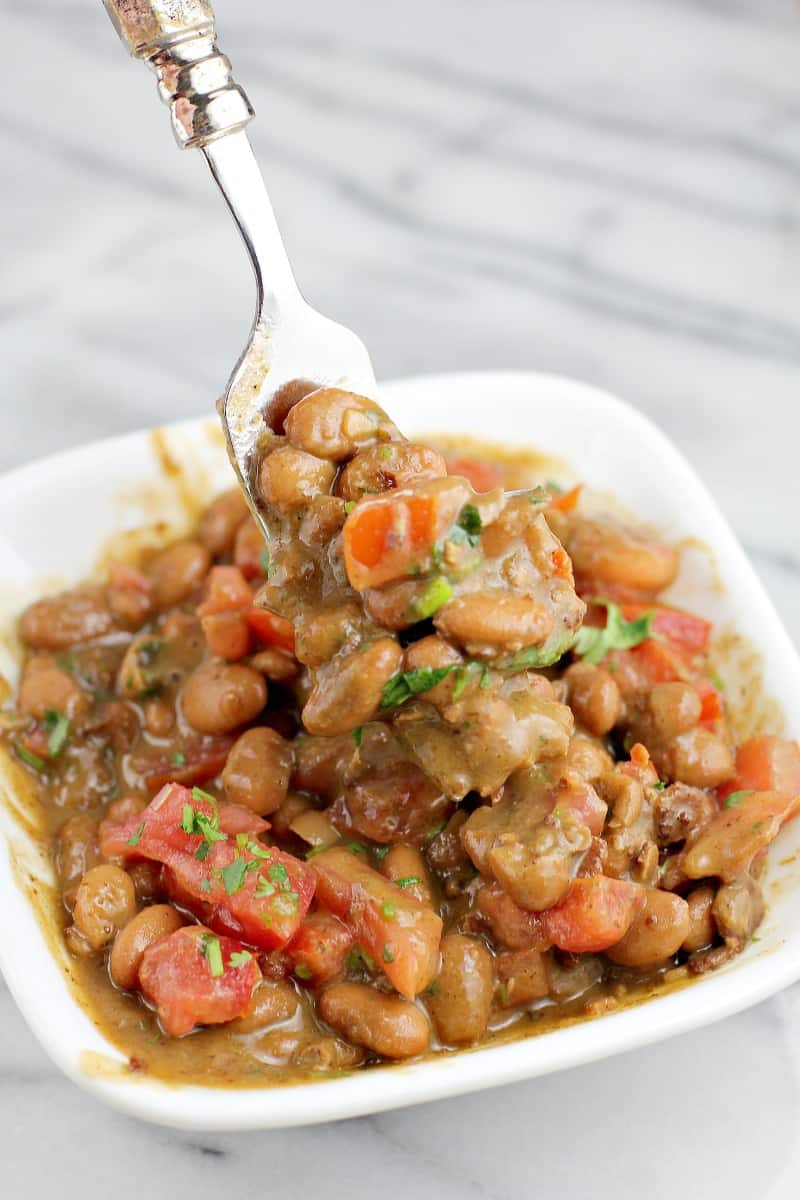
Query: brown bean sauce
{"type": "Point", "coordinates": [417, 674]}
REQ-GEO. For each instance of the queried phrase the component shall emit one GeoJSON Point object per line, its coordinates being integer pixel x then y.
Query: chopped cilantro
{"type": "Point", "coordinates": [279, 876]}
{"type": "Point", "coordinates": [314, 851]}
{"type": "Point", "coordinates": [198, 794]}
{"type": "Point", "coordinates": [380, 852]}
{"type": "Point", "coordinates": [239, 958]}
{"type": "Point", "coordinates": [57, 726]}
{"type": "Point", "coordinates": [717, 682]}
{"type": "Point", "coordinates": [389, 910]}
{"type": "Point", "coordinates": [540, 656]}
{"type": "Point", "coordinates": [286, 904]}
{"type": "Point", "coordinates": [201, 853]}
{"type": "Point", "coordinates": [407, 881]}
{"type": "Point", "coordinates": [385, 453]}
{"type": "Point", "coordinates": [358, 733]}
{"type": "Point", "coordinates": [460, 682]}
{"type": "Point", "coordinates": [263, 560]}
{"type": "Point", "coordinates": [736, 798]}
{"type": "Point", "coordinates": [356, 848]}
{"type": "Point", "coordinates": [263, 888]}
{"type": "Point", "coordinates": [539, 495]}
{"type": "Point", "coordinates": [302, 971]}
{"type": "Point", "coordinates": [187, 819]}
{"type": "Point", "coordinates": [358, 958]}
{"type": "Point", "coordinates": [136, 837]}
{"type": "Point", "coordinates": [502, 993]}
{"type": "Point", "coordinates": [349, 505]}
{"type": "Point", "coordinates": [178, 759]}
{"type": "Point", "coordinates": [592, 644]}
{"type": "Point", "coordinates": [388, 953]}
{"type": "Point", "coordinates": [28, 757]}
{"type": "Point", "coordinates": [212, 950]}
{"type": "Point", "coordinates": [659, 786]}
{"type": "Point", "coordinates": [402, 687]}
{"type": "Point", "coordinates": [434, 596]}
{"type": "Point", "coordinates": [66, 661]}
{"type": "Point", "coordinates": [234, 875]}
{"type": "Point", "coordinates": [485, 677]}
{"type": "Point", "coordinates": [470, 521]}
{"type": "Point", "coordinates": [434, 988]}
{"type": "Point", "coordinates": [205, 885]}
{"type": "Point", "coordinates": [434, 831]}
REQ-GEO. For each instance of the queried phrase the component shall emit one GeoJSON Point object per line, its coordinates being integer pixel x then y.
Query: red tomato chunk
{"type": "Point", "coordinates": [595, 913]}
{"type": "Point", "coordinates": [195, 978]}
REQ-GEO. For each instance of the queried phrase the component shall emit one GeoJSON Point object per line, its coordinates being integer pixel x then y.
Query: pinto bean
{"type": "Point", "coordinates": [278, 665]}
{"type": "Point", "coordinates": [105, 902]}
{"type": "Point", "coordinates": [322, 632]}
{"type": "Point", "coordinates": [607, 551]}
{"type": "Point", "coordinates": [494, 620]}
{"type": "Point", "coordinates": [77, 852]}
{"type": "Point", "coordinates": [258, 769]}
{"type": "Point", "coordinates": [388, 1025]}
{"type": "Point", "coordinates": [273, 1001]}
{"type": "Point", "coordinates": [218, 697]}
{"type": "Point", "coordinates": [58, 622]}
{"type": "Point", "coordinates": [379, 468]}
{"type": "Point", "coordinates": [523, 977]}
{"type": "Point", "coordinates": [594, 697]}
{"type": "Point", "coordinates": [462, 996]}
{"type": "Point", "coordinates": [588, 759]}
{"type": "Point", "coordinates": [406, 867]}
{"type": "Point", "coordinates": [177, 571]}
{"type": "Point", "coordinates": [347, 691]}
{"type": "Point", "coordinates": [159, 717]}
{"type": "Point", "coordinates": [138, 935]}
{"type": "Point", "coordinates": [45, 687]}
{"type": "Point", "coordinates": [738, 908]}
{"type": "Point", "coordinates": [702, 927]}
{"type": "Point", "coordinates": [324, 517]}
{"type": "Point", "coordinates": [657, 932]}
{"type": "Point", "coordinates": [700, 758]}
{"type": "Point", "coordinates": [288, 478]}
{"type": "Point", "coordinates": [284, 400]}
{"type": "Point", "coordinates": [334, 424]}
{"type": "Point", "coordinates": [326, 1054]}
{"type": "Point", "coordinates": [392, 605]}
{"type": "Point", "coordinates": [674, 707]}
{"type": "Point", "coordinates": [221, 520]}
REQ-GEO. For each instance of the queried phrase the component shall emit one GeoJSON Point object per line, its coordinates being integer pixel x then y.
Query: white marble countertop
{"type": "Point", "coordinates": [611, 191]}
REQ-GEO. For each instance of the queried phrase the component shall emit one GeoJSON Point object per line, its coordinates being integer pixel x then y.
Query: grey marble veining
{"type": "Point", "coordinates": [610, 191]}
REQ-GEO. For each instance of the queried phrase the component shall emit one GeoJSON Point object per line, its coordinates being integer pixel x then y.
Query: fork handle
{"type": "Point", "coordinates": [177, 38]}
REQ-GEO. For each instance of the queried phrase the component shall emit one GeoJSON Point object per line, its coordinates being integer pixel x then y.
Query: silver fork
{"type": "Point", "coordinates": [289, 340]}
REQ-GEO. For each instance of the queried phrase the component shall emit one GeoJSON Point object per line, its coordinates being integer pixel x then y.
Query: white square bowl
{"type": "Point", "coordinates": [59, 514]}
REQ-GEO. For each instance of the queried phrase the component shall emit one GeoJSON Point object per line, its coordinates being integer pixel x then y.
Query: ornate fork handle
{"type": "Point", "coordinates": [178, 40]}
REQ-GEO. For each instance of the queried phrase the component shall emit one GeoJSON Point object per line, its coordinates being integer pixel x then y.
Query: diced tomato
{"type": "Point", "coordinates": [193, 763]}
{"type": "Point", "coordinates": [392, 535]}
{"type": "Point", "coordinates": [511, 925]}
{"type": "Point", "coordinates": [583, 800]}
{"type": "Point", "coordinates": [566, 501]}
{"type": "Point", "coordinates": [227, 635]}
{"type": "Point", "coordinates": [320, 948]}
{"type": "Point", "coordinates": [737, 834]}
{"type": "Point", "coordinates": [270, 628]}
{"type": "Point", "coordinates": [766, 764]}
{"type": "Point", "coordinates": [236, 883]}
{"type": "Point", "coordinates": [595, 913]}
{"type": "Point", "coordinates": [712, 705]}
{"type": "Point", "coordinates": [484, 476]}
{"type": "Point", "coordinates": [640, 765]}
{"type": "Point", "coordinates": [684, 629]}
{"type": "Point", "coordinates": [195, 978]}
{"type": "Point", "coordinates": [401, 934]}
{"type": "Point", "coordinates": [226, 590]}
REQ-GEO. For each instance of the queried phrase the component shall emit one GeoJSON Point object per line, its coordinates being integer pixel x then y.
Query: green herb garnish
{"type": "Point", "coordinates": [356, 848]}
{"type": "Point", "coordinates": [402, 687]}
{"type": "Point", "coordinates": [234, 875]}
{"type": "Point", "coordinates": [28, 757]}
{"type": "Point", "coordinates": [435, 595]}
{"type": "Point", "coordinates": [539, 656]}
{"type": "Point", "coordinates": [239, 958]}
{"type": "Point", "coordinates": [407, 881]}
{"type": "Point", "coordinates": [187, 819]}
{"type": "Point", "coordinates": [58, 728]}
{"type": "Point", "coordinates": [136, 837]}
{"type": "Point", "coordinates": [736, 798]}
{"type": "Point", "coordinates": [380, 852]}
{"type": "Point", "coordinates": [178, 759]}
{"type": "Point", "coordinates": [212, 950]}
{"type": "Point", "coordinates": [388, 953]}
{"type": "Point", "coordinates": [279, 876]}
{"type": "Point", "coordinates": [302, 971]}
{"type": "Point", "coordinates": [593, 644]}
{"type": "Point", "coordinates": [470, 521]}
{"type": "Point", "coordinates": [263, 560]}
{"type": "Point", "coordinates": [358, 734]}
{"type": "Point", "coordinates": [389, 910]}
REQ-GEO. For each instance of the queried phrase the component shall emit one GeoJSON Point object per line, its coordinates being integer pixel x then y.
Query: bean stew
{"type": "Point", "coordinates": [432, 766]}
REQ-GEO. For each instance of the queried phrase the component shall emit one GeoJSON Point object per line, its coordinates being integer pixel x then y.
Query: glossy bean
{"type": "Point", "coordinates": [105, 902]}
{"type": "Point", "coordinates": [657, 932]}
{"type": "Point", "coordinates": [674, 708]}
{"type": "Point", "coordinates": [347, 691]}
{"type": "Point", "coordinates": [385, 1024]}
{"type": "Point", "coordinates": [700, 758]}
{"type": "Point", "coordinates": [594, 697]}
{"type": "Point", "coordinates": [406, 867]}
{"type": "Point", "coordinates": [702, 927]}
{"type": "Point", "coordinates": [494, 619]}
{"type": "Point", "coordinates": [219, 697]}
{"type": "Point", "coordinates": [221, 520]}
{"type": "Point", "coordinates": [46, 687]}
{"type": "Point", "coordinates": [177, 571]}
{"type": "Point", "coordinates": [64, 620]}
{"type": "Point", "coordinates": [141, 932]}
{"type": "Point", "coordinates": [258, 769]}
{"type": "Point", "coordinates": [273, 1001]}
{"type": "Point", "coordinates": [334, 424]}
{"type": "Point", "coordinates": [461, 997]}
{"type": "Point", "coordinates": [380, 468]}
{"type": "Point", "coordinates": [289, 477]}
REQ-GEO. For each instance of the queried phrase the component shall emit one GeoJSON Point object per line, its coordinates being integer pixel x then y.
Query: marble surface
{"type": "Point", "coordinates": [611, 191]}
